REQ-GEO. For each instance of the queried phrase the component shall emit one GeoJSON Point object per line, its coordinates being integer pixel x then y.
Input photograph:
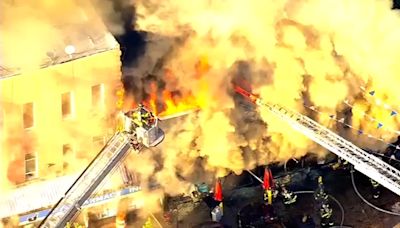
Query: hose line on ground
{"type": "Point", "coordinates": [366, 201]}
{"type": "Point", "coordinates": [308, 192]}
{"type": "Point", "coordinates": [330, 196]}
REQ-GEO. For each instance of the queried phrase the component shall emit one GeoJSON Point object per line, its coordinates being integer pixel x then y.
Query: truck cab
{"type": "Point", "coordinates": [143, 126]}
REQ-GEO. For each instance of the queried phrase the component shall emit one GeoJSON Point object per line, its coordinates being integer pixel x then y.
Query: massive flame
{"type": "Point", "coordinates": [292, 52]}
{"type": "Point", "coordinates": [171, 102]}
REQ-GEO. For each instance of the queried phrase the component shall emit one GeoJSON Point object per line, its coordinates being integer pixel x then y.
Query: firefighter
{"type": "Point", "coordinates": [136, 118]}
{"type": "Point", "coordinates": [146, 116]}
{"type": "Point", "coordinates": [340, 164]}
{"type": "Point", "coordinates": [320, 194]}
{"type": "Point", "coordinates": [268, 185]}
{"type": "Point", "coordinates": [288, 196]}
{"type": "Point", "coordinates": [268, 196]}
{"type": "Point", "coordinates": [375, 189]}
{"type": "Point", "coordinates": [326, 215]}
{"type": "Point", "coordinates": [144, 113]}
{"type": "Point", "coordinates": [141, 117]}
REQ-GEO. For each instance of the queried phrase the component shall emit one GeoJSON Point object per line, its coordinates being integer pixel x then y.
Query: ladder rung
{"type": "Point", "coordinates": [342, 147]}
{"type": "Point", "coordinates": [73, 199]}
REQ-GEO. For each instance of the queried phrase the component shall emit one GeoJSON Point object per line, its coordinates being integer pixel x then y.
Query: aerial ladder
{"type": "Point", "coordinates": [364, 162]}
{"type": "Point", "coordinates": [140, 130]}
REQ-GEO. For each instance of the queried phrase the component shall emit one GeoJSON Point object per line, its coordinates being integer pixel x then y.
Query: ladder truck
{"type": "Point", "coordinates": [140, 129]}
{"type": "Point", "coordinates": [364, 162]}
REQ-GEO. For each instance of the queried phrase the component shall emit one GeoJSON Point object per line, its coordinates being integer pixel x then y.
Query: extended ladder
{"type": "Point", "coordinates": [108, 158]}
{"type": "Point", "coordinates": [368, 164]}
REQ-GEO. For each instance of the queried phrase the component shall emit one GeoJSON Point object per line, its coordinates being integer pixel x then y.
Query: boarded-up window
{"type": "Point", "coordinates": [97, 95]}
{"type": "Point", "coordinates": [66, 104]}
{"type": "Point", "coordinates": [30, 166]}
{"type": "Point", "coordinates": [27, 115]}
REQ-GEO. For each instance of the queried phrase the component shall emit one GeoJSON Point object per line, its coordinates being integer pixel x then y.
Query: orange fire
{"type": "Point", "coordinates": [183, 102]}
{"type": "Point", "coordinates": [180, 104]}
{"type": "Point", "coordinates": [153, 97]}
{"type": "Point", "coordinates": [171, 104]}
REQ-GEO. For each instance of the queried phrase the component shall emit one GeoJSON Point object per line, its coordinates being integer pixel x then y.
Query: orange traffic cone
{"type": "Point", "coordinates": [218, 191]}
{"type": "Point", "coordinates": [267, 181]}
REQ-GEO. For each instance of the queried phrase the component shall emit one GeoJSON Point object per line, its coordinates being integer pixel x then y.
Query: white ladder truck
{"type": "Point", "coordinates": [140, 129]}
{"type": "Point", "coordinates": [364, 162]}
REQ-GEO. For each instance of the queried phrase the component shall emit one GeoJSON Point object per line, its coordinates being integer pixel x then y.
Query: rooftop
{"type": "Point", "coordinates": [56, 41]}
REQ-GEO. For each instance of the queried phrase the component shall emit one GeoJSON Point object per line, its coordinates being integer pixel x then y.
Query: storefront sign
{"type": "Point", "coordinates": [37, 216]}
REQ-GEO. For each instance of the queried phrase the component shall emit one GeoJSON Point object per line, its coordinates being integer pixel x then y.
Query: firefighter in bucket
{"type": "Point", "coordinates": [141, 117]}
{"type": "Point", "coordinates": [141, 126]}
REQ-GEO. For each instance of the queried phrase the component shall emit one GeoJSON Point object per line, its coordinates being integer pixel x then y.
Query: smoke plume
{"type": "Point", "coordinates": [289, 52]}
{"type": "Point", "coordinates": [34, 34]}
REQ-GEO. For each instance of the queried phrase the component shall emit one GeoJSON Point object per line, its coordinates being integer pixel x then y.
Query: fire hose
{"type": "Point", "coordinates": [366, 201]}
{"type": "Point", "coordinates": [309, 192]}
{"type": "Point", "coordinates": [333, 198]}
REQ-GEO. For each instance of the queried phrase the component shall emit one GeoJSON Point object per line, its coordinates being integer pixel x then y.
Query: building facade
{"type": "Point", "coordinates": [55, 119]}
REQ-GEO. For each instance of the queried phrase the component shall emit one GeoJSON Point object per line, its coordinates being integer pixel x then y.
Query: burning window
{"type": "Point", "coordinates": [27, 111]}
{"type": "Point", "coordinates": [30, 166]}
{"type": "Point", "coordinates": [97, 95]}
{"type": "Point", "coordinates": [66, 104]}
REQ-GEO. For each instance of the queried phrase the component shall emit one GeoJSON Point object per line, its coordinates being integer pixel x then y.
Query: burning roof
{"type": "Point", "coordinates": [40, 38]}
